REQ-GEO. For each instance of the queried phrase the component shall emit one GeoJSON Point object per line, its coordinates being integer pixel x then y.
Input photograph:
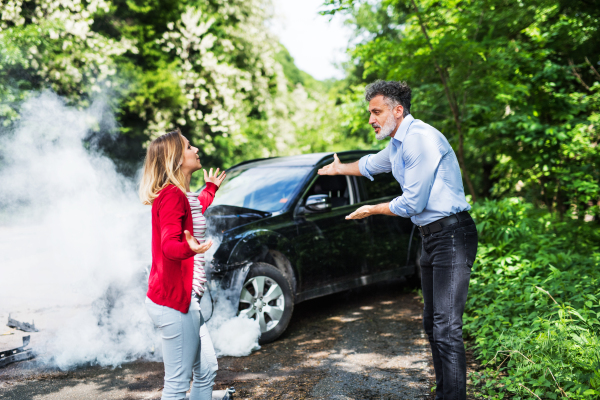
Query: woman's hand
{"type": "Point", "coordinates": [216, 178]}
{"type": "Point", "coordinates": [195, 246]}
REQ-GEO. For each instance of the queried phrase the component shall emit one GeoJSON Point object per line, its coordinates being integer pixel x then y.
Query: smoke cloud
{"type": "Point", "coordinates": [75, 243]}
{"type": "Point", "coordinates": [223, 324]}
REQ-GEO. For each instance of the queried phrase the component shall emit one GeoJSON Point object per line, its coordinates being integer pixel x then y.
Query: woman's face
{"type": "Point", "coordinates": [191, 160]}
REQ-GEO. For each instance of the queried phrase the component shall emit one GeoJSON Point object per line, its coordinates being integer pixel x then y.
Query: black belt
{"type": "Point", "coordinates": [438, 225]}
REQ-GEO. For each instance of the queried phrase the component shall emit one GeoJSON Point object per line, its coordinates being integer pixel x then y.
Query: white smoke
{"type": "Point", "coordinates": [74, 241]}
{"type": "Point", "coordinates": [223, 324]}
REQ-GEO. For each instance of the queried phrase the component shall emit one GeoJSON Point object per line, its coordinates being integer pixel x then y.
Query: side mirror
{"type": "Point", "coordinates": [318, 203]}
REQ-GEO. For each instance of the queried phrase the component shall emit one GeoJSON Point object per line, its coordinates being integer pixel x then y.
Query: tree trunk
{"type": "Point", "coordinates": [453, 107]}
{"type": "Point", "coordinates": [463, 166]}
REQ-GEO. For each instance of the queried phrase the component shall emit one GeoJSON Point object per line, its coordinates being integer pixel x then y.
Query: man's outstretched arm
{"type": "Point", "coordinates": [378, 163]}
{"type": "Point", "coordinates": [338, 168]}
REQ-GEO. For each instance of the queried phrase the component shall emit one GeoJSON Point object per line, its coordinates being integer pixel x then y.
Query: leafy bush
{"type": "Point", "coordinates": [533, 305]}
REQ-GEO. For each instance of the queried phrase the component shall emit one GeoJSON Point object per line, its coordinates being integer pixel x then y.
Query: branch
{"type": "Point", "coordinates": [510, 352]}
{"type": "Point", "coordinates": [452, 102]}
{"type": "Point", "coordinates": [523, 355]}
{"type": "Point", "coordinates": [437, 67]}
{"type": "Point", "coordinates": [561, 390]}
{"type": "Point", "coordinates": [507, 357]}
{"type": "Point", "coordinates": [530, 391]}
{"type": "Point", "coordinates": [592, 67]}
{"type": "Point", "coordinates": [478, 25]}
{"type": "Point", "coordinates": [577, 75]}
{"type": "Point", "coordinates": [548, 293]}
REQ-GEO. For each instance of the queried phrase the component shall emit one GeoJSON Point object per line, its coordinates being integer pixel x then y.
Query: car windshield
{"type": "Point", "coordinates": [264, 189]}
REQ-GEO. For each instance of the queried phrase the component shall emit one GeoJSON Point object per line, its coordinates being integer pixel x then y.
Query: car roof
{"type": "Point", "coordinates": [302, 160]}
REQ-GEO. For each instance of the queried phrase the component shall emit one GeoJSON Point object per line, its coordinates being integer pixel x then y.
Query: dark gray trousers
{"type": "Point", "coordinates": [446, 261]}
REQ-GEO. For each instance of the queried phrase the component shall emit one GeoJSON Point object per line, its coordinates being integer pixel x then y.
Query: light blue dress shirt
{"type": "Point", "coordinates": [423, 162]}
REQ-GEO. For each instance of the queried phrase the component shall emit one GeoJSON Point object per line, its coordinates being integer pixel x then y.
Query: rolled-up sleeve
{"type": "Point", "coordinates": [374, 164]}
{"type": "Point", "coordinates": [421, 159]}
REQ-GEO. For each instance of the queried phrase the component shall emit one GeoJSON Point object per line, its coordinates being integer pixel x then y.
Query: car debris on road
{"type": "Point", "coordinates": [18, 354]}
{"type": "Point", "coordinates": [23, 326]}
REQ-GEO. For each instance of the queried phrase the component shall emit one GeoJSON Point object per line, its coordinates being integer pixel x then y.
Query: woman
{"type": "Point", "coordinates": [177, 276]}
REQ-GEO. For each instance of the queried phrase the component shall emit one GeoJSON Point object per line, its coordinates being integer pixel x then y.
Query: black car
{"type": "Point", "coordinates": [284, 237]}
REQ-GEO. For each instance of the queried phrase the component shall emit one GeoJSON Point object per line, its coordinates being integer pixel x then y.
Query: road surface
{"type": "Point", "coordinates": [366, 343]}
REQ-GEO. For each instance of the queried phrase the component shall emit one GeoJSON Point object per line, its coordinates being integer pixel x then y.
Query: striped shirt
{"type": "Point", "coordinates": [199, 279]}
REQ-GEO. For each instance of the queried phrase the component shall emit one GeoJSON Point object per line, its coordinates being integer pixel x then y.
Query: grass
{"type": "Point", "coordinates": [533, 304]}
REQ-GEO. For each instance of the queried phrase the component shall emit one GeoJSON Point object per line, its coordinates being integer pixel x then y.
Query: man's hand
{"type": "Point", "coordinates": [365, 211]}
{"type": "Point", "coordinates": [216, 178]}
{"type": "Point", "coordinates": [195, 246]}
{"type": "Point", "coordinates": [338, 168]}
{"type": "Point", "coordinates": [333, 168]}
{"type": "Point", "coordinates": [362, 212]}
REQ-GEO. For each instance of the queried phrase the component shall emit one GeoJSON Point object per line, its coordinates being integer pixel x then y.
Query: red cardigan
{"type": "Point", "coordinates": [170, 282]}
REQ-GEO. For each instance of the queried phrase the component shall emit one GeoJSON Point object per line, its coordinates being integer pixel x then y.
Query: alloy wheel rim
{"type": "Point", "coordinates": [262, 299]}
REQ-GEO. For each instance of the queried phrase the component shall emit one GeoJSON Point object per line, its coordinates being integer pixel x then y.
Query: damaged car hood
{"type": "Point", "coordinates": [222, 218]}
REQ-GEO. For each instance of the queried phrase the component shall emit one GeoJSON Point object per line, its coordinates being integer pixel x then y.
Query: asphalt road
{"type": "Point", "coordinates": [362, 344]}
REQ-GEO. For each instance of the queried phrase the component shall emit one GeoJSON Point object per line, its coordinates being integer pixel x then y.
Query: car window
{"type": "Point", "coordinates": [336, 187]}
{"type": "Point", "coordinates": [265, 189]}
{"type": "Point", "coordinates": [384, 185]}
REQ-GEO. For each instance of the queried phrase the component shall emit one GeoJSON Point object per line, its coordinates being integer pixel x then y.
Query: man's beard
{"type": "Point", "coordinates": [387, 129]}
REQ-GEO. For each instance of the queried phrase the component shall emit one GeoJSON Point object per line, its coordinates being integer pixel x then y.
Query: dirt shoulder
{"type": "Point", "coordinates": [362, 344]}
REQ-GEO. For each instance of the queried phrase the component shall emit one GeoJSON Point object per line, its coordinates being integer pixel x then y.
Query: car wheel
{"type": "Point", "coordinates": [267, 297]}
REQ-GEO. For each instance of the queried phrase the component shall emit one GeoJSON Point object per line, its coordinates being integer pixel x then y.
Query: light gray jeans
{"type": "Point", "coordinates": [187, 351]}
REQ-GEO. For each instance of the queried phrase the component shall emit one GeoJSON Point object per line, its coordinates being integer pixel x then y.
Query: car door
{"type": "Point", "coordinates": [389, 235]}
{"type": "Point", "coordinates": [329, 247]}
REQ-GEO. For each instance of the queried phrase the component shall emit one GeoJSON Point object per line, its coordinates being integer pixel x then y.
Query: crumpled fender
{"type": "Point", "coordinates": [254, 245]}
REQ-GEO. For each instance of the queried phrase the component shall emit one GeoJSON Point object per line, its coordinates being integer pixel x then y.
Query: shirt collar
{"type": "Point", "coordinates": [403, 128]}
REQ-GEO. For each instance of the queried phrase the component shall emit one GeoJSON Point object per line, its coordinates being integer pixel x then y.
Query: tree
{"type": "Point", "coordinates": [210, 67]}
{"type": "Point", "coordinates": [495, 76]}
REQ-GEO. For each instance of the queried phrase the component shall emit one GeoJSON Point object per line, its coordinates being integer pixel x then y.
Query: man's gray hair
{"type": "Point", "coordinates": [393, 93]}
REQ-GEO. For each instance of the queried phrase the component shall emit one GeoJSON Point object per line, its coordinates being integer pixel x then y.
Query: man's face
{"type": "Point", "coordinates": [384, 120]}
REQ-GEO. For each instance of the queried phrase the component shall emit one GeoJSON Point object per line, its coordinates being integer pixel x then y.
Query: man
{"type": "Point", "coordinates": [425, 166]}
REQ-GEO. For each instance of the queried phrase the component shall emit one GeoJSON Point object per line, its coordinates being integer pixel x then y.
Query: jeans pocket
{"type": "Point", "coordinates": [443, 233]}
{"type": "Point", "coordinates": [160, 316]}
{"type": "Point", "coordinates": [470, 248]}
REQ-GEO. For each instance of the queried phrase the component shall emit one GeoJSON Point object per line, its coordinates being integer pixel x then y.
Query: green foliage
{"type": "Point", "coordinates": [514, 85]}
{"type": "Point", "coordinates": [534, 303]}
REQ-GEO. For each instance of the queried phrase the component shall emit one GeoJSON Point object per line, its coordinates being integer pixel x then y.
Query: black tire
{"type": "Point", "coordinates": [255, 304]}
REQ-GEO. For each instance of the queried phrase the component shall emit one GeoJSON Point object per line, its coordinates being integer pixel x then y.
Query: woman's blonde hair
{"type": "Point", "coordinates": [162, 165]}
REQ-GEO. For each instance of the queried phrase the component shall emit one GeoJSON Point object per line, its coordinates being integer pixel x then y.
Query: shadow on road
{"type": "Point", "coordinates": [361, 344]}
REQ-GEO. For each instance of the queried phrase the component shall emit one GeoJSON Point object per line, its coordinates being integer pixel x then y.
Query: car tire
{"type": "Point", "coordinates": [267, 296]}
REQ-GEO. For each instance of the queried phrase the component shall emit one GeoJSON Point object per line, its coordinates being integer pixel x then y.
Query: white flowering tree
{"type": "Point", "coordinates": [210, 67]}
{"type": "Point", "coordinates": [51, 44]}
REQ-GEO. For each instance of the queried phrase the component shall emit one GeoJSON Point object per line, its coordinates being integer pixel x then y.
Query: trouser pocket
{"type": "Point", "coordinates": [155, 312]}
{"type": "Point", "coordinates": [470, 248]}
